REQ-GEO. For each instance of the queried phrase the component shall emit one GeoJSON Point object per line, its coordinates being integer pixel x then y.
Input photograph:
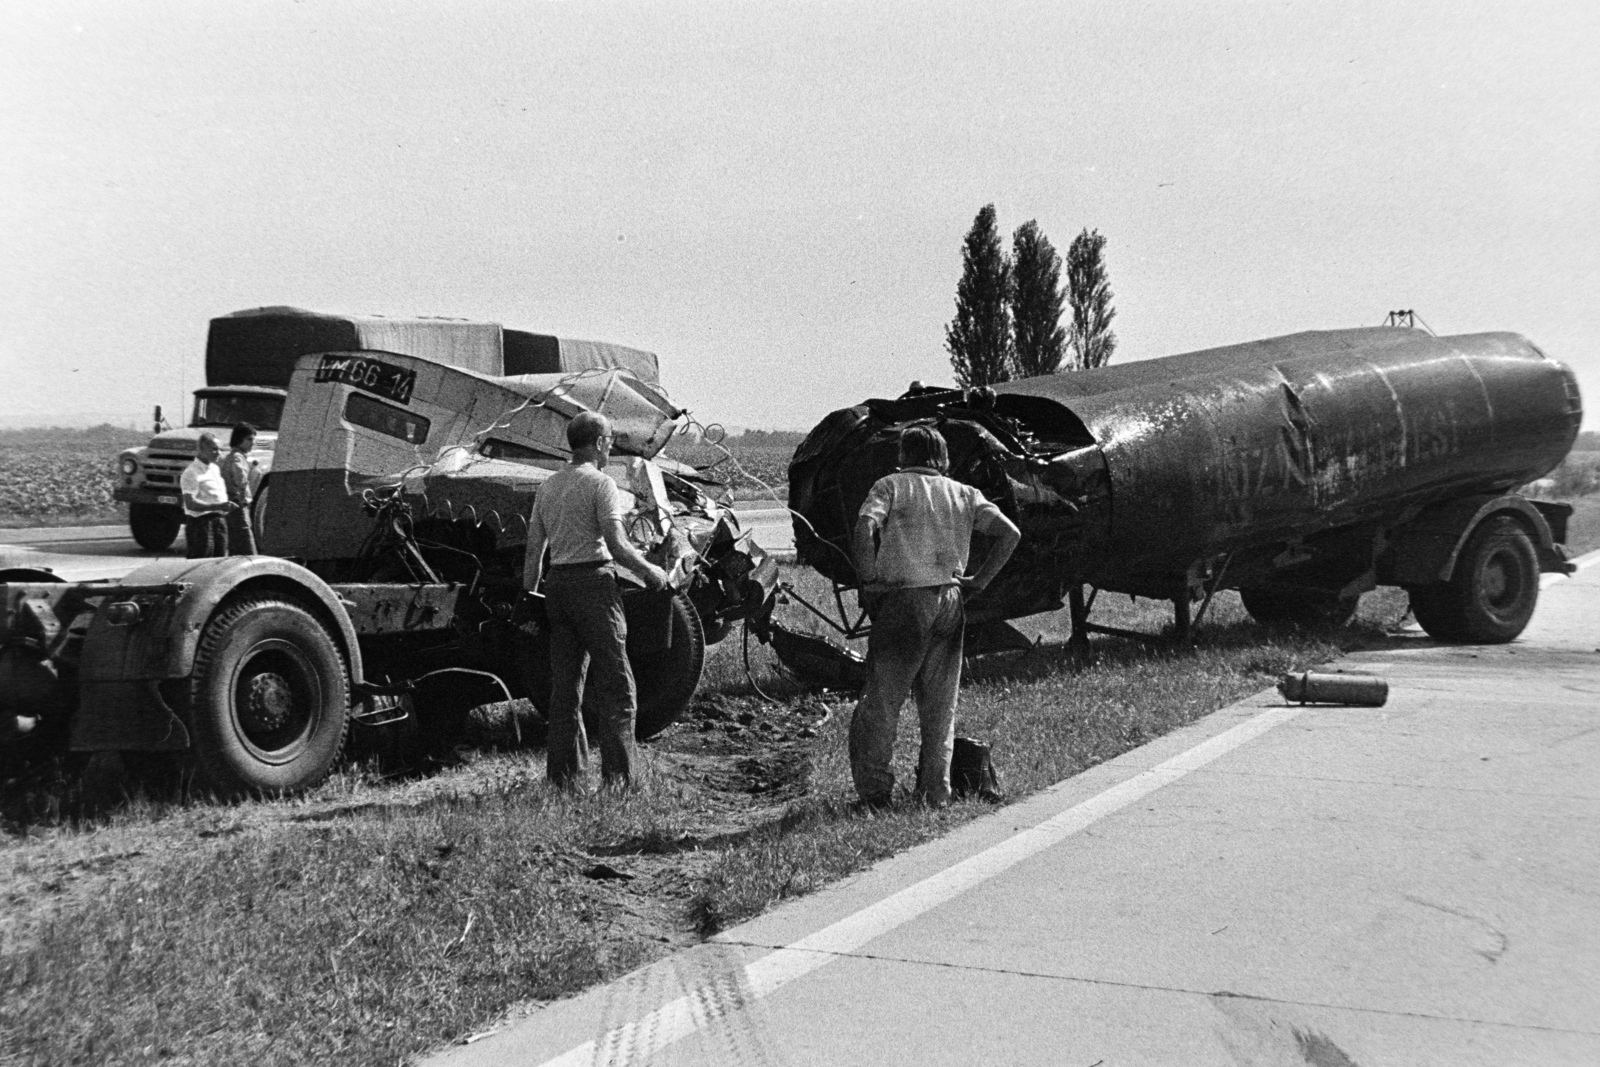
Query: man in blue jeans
{"type": "Point", "coordinates": [911, 542]}
{"type": "Point", "coordinates": [578, 515]}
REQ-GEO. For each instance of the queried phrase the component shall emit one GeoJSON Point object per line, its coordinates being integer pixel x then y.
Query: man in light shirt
{"type": "Point", "coordinates": [911, 542]}
{"type": "Point", "coordinates": [578, 515]}
{"type": "Point", "coordinates": [205, 502]}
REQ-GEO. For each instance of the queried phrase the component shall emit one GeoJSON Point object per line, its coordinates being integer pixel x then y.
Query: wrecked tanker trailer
{"type": "Point", "coordinates": [1300, 470]}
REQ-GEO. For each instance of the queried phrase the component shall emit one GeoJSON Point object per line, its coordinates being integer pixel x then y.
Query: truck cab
{"type": "Point", "coordinates": [147, 477]}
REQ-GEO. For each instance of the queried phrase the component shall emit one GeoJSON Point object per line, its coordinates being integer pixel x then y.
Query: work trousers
{"type": "Point", "coordinates": [914, 649]}
{"type": "Point", "coordinates": [241, 539]}
{"type": "Point", "coordinates": [588, 644]}
{"type": "Point", "coordinates": [205, 535]}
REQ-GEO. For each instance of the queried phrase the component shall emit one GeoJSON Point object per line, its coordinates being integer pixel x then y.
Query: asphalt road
{"type": "Point", "coordinates": [1274, 885]}
{"type": "Point", "coordinates": [82, 553]}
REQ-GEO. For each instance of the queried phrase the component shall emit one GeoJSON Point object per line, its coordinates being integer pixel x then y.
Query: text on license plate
{"type": "Point", "coordinates": [166, 500]}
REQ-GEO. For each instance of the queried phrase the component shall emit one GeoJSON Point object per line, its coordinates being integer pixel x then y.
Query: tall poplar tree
{"type": "Point", "coordinates": [1089, 292]}
{"type": "Point", "coordinates": [979, 337]}
{"type": "Point", "coordinates": [1039, 341]}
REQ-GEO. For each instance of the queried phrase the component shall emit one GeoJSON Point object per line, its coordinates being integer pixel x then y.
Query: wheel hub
{"type": "Point", "coordinates": [1497, 582]}
{"type": "Point", "coordinates": [268, 703]}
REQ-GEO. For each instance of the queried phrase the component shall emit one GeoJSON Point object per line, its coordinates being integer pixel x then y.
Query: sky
{"type": "Point", "coordinates": [772, 196]}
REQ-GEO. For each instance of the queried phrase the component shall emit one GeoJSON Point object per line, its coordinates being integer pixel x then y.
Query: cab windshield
{"type": "Point", "coordinates": [262, 412]}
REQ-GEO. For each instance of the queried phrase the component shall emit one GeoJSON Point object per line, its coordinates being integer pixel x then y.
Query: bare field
{"type": "Point", "coordinates": [54, 477]}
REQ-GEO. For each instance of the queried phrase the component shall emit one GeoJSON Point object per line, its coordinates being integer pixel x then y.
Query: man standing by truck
{"type": "Point", "coordinates": [578, 515]}
{"type": "Point", "coordinates": [236, 476]}
{"type": "Point", "coordinates": [911, 543]}
{"type": "Point", "coordinates": [205, 501]}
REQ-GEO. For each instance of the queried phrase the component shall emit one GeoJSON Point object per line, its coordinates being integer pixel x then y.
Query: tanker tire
{"type": "Point", "coordinates": [1297, 607]}
{"type": "Point", "coordinates": [268, 700]}
{"type": "Point", "coordinates": [154, 526]}
{"type": "Point", "coordinates": [1491, 596]}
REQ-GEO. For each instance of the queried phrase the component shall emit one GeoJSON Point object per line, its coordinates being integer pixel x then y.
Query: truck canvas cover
{"type": "Point", "coordinates": [260, 346]}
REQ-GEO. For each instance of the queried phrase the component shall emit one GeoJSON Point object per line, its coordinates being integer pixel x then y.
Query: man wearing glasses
{"type": "Point", "coordinates": [578, 516]}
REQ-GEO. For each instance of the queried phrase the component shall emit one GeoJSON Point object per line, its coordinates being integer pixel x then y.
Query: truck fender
{"type": "Point", "coordinates": [1424, 550]}
{"type": "Point", "coordinates": [121, 705]}
{"type": "Point", "coordinates": [162, 643]}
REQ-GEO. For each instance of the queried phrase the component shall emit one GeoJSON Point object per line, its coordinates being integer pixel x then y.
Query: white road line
{"type": "Point", "coordinates": [637, 1040]}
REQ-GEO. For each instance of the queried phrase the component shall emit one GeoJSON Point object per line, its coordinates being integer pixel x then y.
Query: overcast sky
{"type": "Point", "coordinates": [772, 197]}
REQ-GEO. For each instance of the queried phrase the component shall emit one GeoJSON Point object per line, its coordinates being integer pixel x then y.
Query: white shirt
{"type": "Point", "coordinates": [203, 481]}
{"type": "Point", "coordinates": [925, 523]}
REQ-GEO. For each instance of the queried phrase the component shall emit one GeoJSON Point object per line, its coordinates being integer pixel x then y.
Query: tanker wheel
{"type": "Point", "coordinates": [154, 526]}
{"type": "Point", "coordinates": [1491, 596]}
{"type": "Point", "coordinates": [268, 701]}
{"type": "Point", "coordinates": [1298, 607]}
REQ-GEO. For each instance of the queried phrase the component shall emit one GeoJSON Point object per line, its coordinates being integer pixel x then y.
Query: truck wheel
{"type": "Point", "coordinates": [258, 511]}
{"type": "Point", "coordinates": [1298, 607]}
{"type": "Point", "coordinates": [666, 673]}
{"type": "Point", "coordinates": [154, 526]}
{"type": "Point", "coordinates": [1491, 596]}
{"type": "Point", "coordinates": [268, 700]}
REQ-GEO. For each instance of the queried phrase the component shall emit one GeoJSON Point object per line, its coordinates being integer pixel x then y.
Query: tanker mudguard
{"type": "Point", "coordinates": [161, 645]}
{"type": "Point", "coordinates": [1425, 549]}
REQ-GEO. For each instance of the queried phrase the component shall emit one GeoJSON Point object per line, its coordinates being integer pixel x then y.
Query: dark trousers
{"type": "Point", "coordinates": [206, 535]}
{"type": "Point", "coordinates": [241, 539]}
{"type": "Point", "coordinates": [588, 643]}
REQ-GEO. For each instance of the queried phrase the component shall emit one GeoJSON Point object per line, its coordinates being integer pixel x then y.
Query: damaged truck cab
{"type": "Point", "coordinates": [1300, 470]}
{"type": "Point", "coordinates": [393, 528]}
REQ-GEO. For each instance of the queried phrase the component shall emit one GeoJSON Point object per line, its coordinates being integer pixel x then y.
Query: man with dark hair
{"type": "Point", "coordinates": [236, 476]}
{"type": "Point", "coordinates": [911, 543]}
{"type": "Point", "coordinates": [578, 515]}
{"type": "Point", "coordinates": [205, 501]}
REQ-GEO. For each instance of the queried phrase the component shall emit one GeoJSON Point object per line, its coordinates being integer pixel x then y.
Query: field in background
{"type": "Point", "coordinates": [754, 464]}
{"type": "Point", "coordinates": [57, 477]}
{"type": "Point", "coordinates": [61, 477]}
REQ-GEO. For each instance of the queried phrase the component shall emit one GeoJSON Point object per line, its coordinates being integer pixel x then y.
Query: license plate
{"type": "Point", "coordinates": [166, 500]}
{"type": "Point", "coordinates": [372, 375]}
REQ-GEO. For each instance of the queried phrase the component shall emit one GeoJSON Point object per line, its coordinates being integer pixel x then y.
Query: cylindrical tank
{"type": "Point", "coordinates": [1285, 437]}
{"type": "Point", "coordinates": [1145, 468]}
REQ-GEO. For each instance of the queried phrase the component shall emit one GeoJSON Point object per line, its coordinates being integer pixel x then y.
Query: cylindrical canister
{"type": "Point", "coordinates": [1360, 689]}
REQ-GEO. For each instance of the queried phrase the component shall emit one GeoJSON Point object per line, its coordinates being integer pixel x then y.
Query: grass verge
{"type": "Point", "coordinates": [366, 923]}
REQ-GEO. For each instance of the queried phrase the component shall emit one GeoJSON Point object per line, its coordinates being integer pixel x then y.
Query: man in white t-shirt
{"type": "Point", "coordinates": [205, 501]}
{"type": "Point", "coordinates": [578, 515]}
{"type": "Point", "coordinates": [912, 537]}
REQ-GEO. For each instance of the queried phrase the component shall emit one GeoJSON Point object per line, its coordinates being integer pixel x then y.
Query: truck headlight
{"type": "Point", "coordinates": [129, 466]}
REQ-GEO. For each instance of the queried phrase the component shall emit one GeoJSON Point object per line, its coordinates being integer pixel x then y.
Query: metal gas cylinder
{"type": "Point", "coordinates": [1359, 689]}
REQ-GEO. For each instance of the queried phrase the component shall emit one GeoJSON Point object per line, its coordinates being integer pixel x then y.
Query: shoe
{"type": "Point", "coordinates": [874, 806]}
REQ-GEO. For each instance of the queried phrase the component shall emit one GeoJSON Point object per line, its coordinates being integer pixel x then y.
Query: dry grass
{"type": "Point", "coordinates": [372, 921]}
{"type": "Point", "coordinates": [376, 919]}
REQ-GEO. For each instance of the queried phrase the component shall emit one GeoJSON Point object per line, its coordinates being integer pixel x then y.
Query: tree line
{"type": "Point", "coordinates": [1009, 307]}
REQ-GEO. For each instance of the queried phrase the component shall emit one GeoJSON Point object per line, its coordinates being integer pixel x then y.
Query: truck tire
{"type": "Point", "coordinates": [258, 511]}
{"type": "Point", "coordinates": [1297, 607]}
{"type": "Point", "coordinates": [268, 700]}
{"type": "Point", "coordinates": [665, 672]}
{"type": "Point", "coordinates": [154, 526]}
{"type": "Point", "coordinates": [1492, 593]}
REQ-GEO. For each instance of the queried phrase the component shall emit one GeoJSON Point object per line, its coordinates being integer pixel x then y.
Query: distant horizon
{"type": "Point", "coordinates": [773, 197]}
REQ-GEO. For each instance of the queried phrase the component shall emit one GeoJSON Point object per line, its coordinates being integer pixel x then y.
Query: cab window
{"type": "Point", "coordinates": [364, 411]}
